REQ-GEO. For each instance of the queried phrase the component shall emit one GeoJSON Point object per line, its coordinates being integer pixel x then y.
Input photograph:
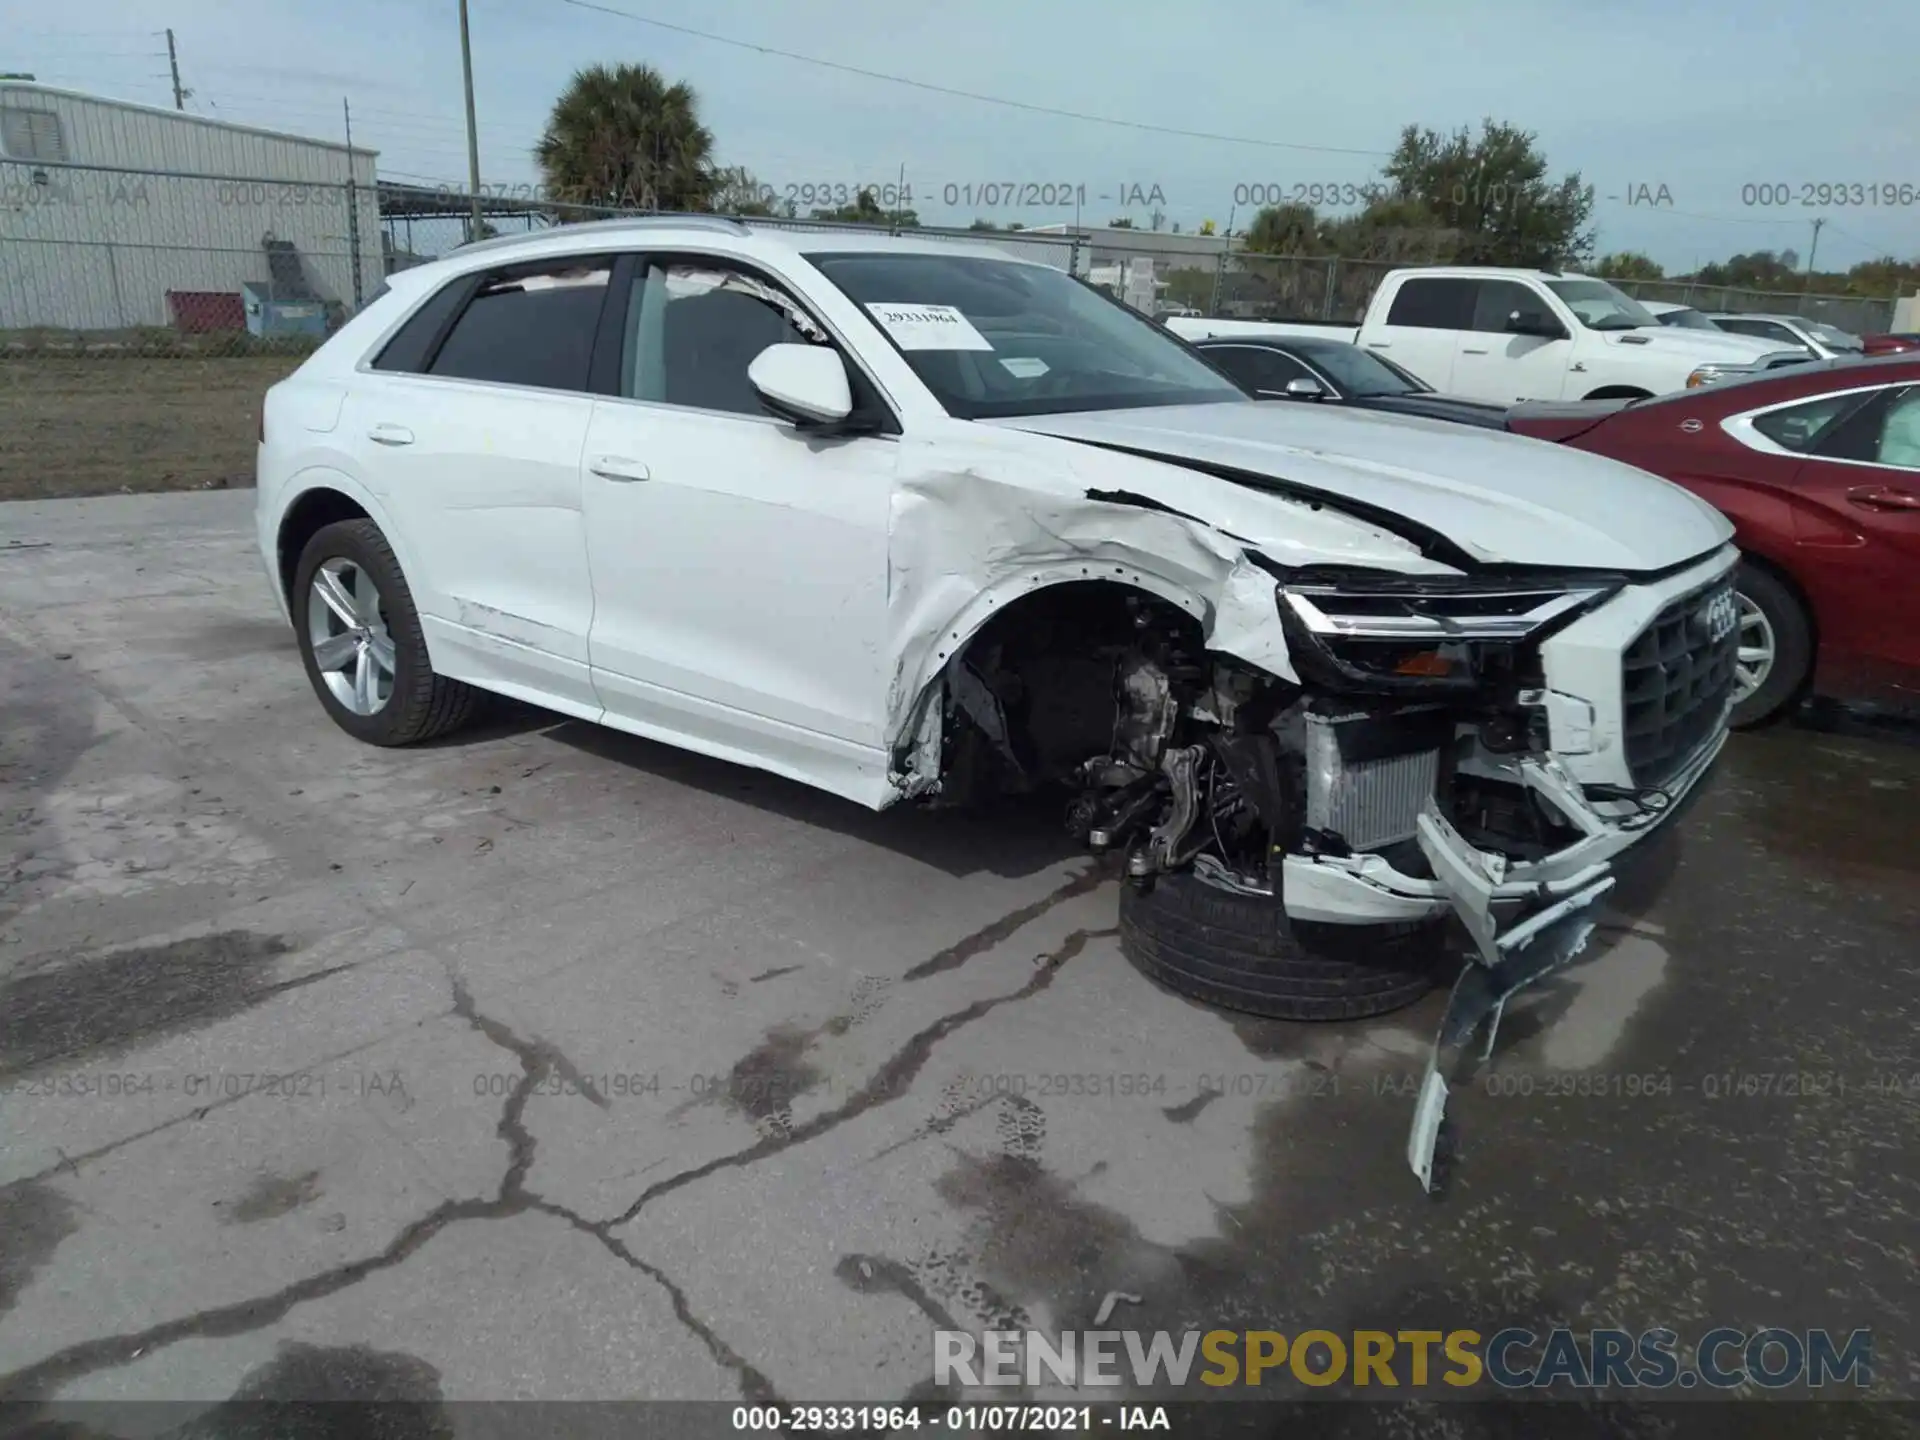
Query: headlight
{"type": "Point", "coordinates": [1713, 374]}
{"type": "Point", "coordinates": [1421, 635]}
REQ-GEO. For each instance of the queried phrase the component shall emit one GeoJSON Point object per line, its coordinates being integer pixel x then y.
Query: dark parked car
{"type": "Point", "coordinates": [1313, 370]}
{"type": "Point", "coordinates": [1818, 467]}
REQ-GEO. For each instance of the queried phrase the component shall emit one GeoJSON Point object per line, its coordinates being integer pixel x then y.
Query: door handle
{"type": "Point", "coordinates": [1884, 497]}
{"type": "Point", "coordinates": [1472, 350]}
{"type": "Point", "coordinates": [384, 434]}
{"type": "Point", "coordinates": [1379, 344]}
{"type": "Point", "coordinates": [618, 467]}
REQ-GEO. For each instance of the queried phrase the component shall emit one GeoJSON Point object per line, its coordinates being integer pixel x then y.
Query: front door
{"type": "Point", "coordinates": [739, 564]}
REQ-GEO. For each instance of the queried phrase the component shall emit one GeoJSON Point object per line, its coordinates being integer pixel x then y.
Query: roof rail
{"type": "Point", "coordinates": [693, 221]}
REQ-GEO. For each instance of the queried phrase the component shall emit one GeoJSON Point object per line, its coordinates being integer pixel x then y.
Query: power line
{"type": "Point", "coordinates": [967, 94]}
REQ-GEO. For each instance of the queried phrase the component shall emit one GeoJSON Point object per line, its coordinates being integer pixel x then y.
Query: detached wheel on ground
{"type": "Point", "coordinates": [1241, 952]}
{"type": "Point", "coordinates": [1776, 648]}
{"type": "Point", "coordinates": [361, 640]}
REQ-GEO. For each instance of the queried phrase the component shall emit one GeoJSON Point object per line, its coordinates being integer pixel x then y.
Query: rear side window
{"type": "Point", "coordinates": [412, 344]}
{"type": "Point", "coordinates": [1434, 304]}
{"type": "Point", "coordinates": [1811, 424]}
{"type": "Point", "coordinates": [1255, 368]}
{"type": "Point", "coordinates": [529, 326]}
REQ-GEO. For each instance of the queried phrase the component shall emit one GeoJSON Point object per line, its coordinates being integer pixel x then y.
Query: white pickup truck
{"type": "Point", "coordinates": [1509, 335]}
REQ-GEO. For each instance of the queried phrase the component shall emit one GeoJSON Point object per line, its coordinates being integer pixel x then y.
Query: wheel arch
{"type": "Point", "coordinates": [1618, 392]}
{"type": "Point", "coordinates": [1031, 585]}
{"type": "Point", "coordinates": [315, 499]}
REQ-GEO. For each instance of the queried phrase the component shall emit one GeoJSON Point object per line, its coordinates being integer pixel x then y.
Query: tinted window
{"type": "Point", "coordinates": [1359, 372]}
{"type": "Point", "coordinates": [412, 344]}
{"type": "Point", "coordinates": [1434, 304]}
{"type": "Point", "coordinates": [693, 329]}
{"type": "Point", "coordinates": [999, 337]}
{"type": "Point", "coordinates": [1256, 368]}
{"type": "Point", "coordinates": [529, 327]}
{"type": "Point", "coordinates": [1500, 298]}
{"type": "Point", "coordinates": [1802, 427]}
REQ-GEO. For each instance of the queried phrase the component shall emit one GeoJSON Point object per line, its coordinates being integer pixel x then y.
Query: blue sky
{"type": "Point", "coordinates": [1703, 99]}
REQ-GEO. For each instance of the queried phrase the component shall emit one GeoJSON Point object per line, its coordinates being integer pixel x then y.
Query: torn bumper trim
{"type": "Point", "coordinates": [1367, 889]}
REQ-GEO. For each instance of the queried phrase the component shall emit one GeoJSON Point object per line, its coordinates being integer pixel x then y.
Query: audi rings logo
{"type": "Point", "coordinates": [1718, 617]}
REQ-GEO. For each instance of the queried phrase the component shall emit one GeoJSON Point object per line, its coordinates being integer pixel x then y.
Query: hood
{"type": "Point", "coordinates": [1502, 499]}
{"type": "Point", "coordinates": [1702, 347]}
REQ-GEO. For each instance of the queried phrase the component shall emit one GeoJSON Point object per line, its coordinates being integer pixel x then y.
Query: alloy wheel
{"type": "Point", "coordinates": [1754, 660]}
{"type": "Point", "coordinates": [347, 632]}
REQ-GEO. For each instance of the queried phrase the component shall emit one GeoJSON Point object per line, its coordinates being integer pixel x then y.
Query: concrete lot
{"type": "Point", "coordinates": [625, 1073]}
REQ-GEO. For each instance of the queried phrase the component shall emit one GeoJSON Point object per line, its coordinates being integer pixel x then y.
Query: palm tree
{"type": "Point", "coordinates": [621, 137]}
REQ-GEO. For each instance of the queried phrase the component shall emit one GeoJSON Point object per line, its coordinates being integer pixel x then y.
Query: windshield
{"type": "Point", "coordinates": [1598, 306]}
{"type": "Point", "coordinates": [995, 338]}
{"type": "Point", "coordinates": [1687, 320]}
{"type": "Point", "coordinates": [1835, 336]}
{"type": "Point", "coordinates": [1356, 372]}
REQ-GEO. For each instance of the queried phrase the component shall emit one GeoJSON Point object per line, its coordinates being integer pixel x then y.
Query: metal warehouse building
{"type": "Point", "coordinates": [114, 215]}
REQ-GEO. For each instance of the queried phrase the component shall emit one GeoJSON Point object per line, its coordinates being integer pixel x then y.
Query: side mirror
{"type": "Point", "coordinates": [1305, 388]}
{"type": "Point", "coordinates": [1535, 322]}
{"type": "Point", "coordinates": [806, 384]}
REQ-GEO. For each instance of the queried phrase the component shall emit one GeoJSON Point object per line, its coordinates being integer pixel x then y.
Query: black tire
{"type": "Point", "coordinates": [1792, 647]}
{"type": "Point", "coordinates": [423, 705]}
{"type": "Point", "coordinates": [1240, 952]}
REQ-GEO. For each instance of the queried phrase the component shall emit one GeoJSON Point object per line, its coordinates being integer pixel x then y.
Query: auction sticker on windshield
{"type": "Point", "coordinates": [928, 327]}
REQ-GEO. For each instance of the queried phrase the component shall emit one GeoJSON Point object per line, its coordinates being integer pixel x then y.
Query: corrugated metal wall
{"type": "Point", "coordinates": [149, 201]}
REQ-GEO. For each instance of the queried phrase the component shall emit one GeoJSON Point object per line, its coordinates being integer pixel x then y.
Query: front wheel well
{"type": "Point", "coordinates": [1037, 688]}
{"type": "Point", "coordinates": [305, 518]}
{"type": "Point", "coordinates": [1618, 392]}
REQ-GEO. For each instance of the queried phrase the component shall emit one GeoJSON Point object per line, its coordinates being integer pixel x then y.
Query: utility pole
{"type": "Point", "coordinates": [473, 134]}
{"type": "Point", "coordinates": [1813, 248]}
{"type": "Point", "coordinates": [353, 207]}
{"type": "Point", "coordinates": [173, 64]}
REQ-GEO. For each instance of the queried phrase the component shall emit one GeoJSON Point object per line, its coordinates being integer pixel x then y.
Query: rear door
{"type": "Point", "coordinates": [469, 427]}
{"type": "Point", "coordinates": [1494, 364]}
{"type": "Point", "coordinates": [1422, 327]}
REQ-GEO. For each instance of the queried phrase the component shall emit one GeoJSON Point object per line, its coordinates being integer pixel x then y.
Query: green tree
{"type": "Point", "coordinates": [1123, 223]}
{"type": "Point", "coordinates": [621, 136]}
{"type": "Point", "coordinates": [1285, 230]}
{"type": "Point", "coordinates": [737, 192]}
{"type": "Point", "coordinates": [1495, 193]}
{"type": "Point", "coordinates": [1628, 265]}
{"type": "Point", "coordinates": [866, 210]}
{"type": "Point", "coordinates": [983, 225]}
{"type": "Point", "coordinates": [1392, 230]}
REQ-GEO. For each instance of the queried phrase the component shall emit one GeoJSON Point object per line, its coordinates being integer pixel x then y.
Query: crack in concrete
{"type": "Point", "coordinates": [988, 936]}
{"type": "Point", "coordinates": [34, 1384]}
{"type": "Point", "coordinates": [888, 1083]}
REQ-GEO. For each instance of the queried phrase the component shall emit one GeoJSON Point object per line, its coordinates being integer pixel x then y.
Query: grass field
{"type": "Point", "coordinates": [107, 425]}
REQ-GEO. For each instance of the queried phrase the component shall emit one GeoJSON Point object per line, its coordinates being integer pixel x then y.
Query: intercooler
{"type": "Point", "coordinates": [1368, 775]}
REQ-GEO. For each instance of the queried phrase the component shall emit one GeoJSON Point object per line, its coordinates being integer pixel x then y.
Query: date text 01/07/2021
{"type": "Point", "coordinates": [954, 1419]}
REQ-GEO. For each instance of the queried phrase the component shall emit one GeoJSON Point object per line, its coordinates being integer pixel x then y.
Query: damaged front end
{"type": "Point", "coordinates": [1419, 760]}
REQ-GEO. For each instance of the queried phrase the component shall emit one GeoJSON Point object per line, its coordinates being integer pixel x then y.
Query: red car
{"type": "Point", "coordinates": [1818, 467]}
{"type": "Point", "coordinates": [1889, 344]}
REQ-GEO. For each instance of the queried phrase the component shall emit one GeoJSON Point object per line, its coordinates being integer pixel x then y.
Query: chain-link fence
{"type": "Point", "coordinates": [1858, 314]}
{"type": "Point", "coordinates": [216, 285]}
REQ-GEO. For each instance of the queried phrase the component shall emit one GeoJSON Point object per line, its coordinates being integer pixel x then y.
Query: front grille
{"type": "Point", "coordinates": [1676, 679]}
